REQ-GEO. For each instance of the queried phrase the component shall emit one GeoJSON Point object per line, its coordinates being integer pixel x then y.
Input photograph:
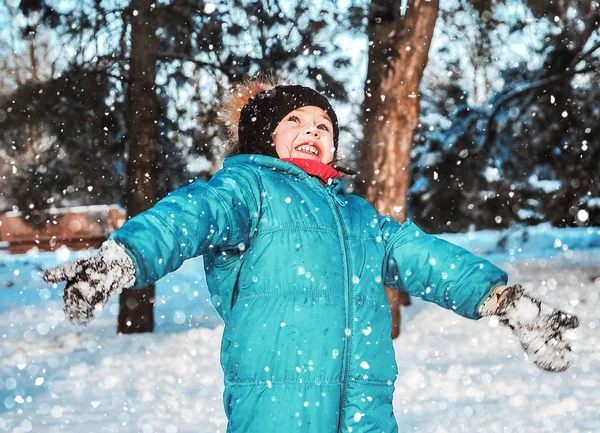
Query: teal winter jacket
{"type": "Point", "coordinates": [297, 272]}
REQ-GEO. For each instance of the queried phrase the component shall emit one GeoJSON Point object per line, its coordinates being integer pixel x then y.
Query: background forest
{"type": "Point", "coordinates": [463, 115]}
{"type": "Point", "coordinates": [507, 130]}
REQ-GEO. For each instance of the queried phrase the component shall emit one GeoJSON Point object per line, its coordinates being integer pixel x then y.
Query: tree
{"type": "Point", "coordinates": [526, 154]}
{"type": "Point", "coordinates": [558, 135]}
{"type": "Point", "coordinates": [69, 103]}
{"type": "Point", "coordinates": [26, 59]}
{"type": "Point", "coordinates": [398, 54]}
{"type": "Point", "coordinates": [136, 306]}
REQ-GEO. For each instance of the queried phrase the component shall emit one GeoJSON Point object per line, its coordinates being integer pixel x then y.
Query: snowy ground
{"type": "Point", "coordinates": [455, 375]}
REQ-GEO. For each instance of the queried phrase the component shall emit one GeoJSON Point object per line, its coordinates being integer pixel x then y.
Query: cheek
{"type": "Point", "coordinates": [328, 151]}
{"type": "Point", "coordinates": [283, 140]}
{"type": "Point", "coordinates": [330, 146]}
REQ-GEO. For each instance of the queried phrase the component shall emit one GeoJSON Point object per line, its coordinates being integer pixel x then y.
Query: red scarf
{"type": "Point", "coordinates": [321, 171]}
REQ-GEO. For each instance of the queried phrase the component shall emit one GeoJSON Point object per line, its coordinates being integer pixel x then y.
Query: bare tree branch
{"type": "Point", "coordinates": [176, 56]}
{"type": "Point", "coordinates": [520, 90]}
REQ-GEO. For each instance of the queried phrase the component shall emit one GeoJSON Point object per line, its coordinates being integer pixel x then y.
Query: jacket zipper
{"type": "Point", "coordinates": [336, 201]}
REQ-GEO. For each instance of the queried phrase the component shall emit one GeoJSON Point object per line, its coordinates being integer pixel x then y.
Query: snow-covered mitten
{"type": "Point", "coordinates": [91, 281]}
{"type": "Point", "coordinates": [539, 328]}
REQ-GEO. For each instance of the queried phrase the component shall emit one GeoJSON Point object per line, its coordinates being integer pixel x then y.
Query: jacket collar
{"type": "Point", "coordinates": [322, 172]}
{"type": "Point", "coordinates": [267, 162]}
{"type": "Point", "coordinates": [271, 163]}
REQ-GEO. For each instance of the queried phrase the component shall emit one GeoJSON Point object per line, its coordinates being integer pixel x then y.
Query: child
{"type": "Point", "coordinates": [296, 267]}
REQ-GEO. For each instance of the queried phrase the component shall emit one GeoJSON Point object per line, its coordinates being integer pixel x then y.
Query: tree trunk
{"type": "Point", "coordinates": [136, 307]}
{"type": "Point", "coordinates": [398, 53]}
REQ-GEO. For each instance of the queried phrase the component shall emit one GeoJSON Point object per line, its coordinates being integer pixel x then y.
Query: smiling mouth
{"type": "Point", "coordinates": [309, 148]}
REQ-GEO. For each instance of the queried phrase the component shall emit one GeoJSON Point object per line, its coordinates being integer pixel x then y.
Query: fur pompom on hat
{"type": "Point", "coordinates": [254, 109]}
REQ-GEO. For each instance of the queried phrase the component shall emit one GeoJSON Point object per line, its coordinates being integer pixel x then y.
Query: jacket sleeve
{"type": "Point", "coordinates": [217, 215]}
{"type": "Point", "coordinates": [436, 270]}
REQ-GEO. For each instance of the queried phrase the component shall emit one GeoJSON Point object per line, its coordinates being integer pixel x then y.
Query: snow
{"type": "Point", "coordinates": [545, 185]}
{"type": "Point", "coordinates": [522, 242]}
{"type": "Point", "coordinates": [73, 209]}
{"type": "Point", "coordinates": [455, 375]}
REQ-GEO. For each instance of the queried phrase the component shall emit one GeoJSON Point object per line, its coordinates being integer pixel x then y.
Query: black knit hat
{"type": "Point", "coordinates": [261, 115]}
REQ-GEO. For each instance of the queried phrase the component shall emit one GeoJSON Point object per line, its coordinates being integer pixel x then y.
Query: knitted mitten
{"type": "Point", "coordinates": [540, 329]}
{"type": "Point", "coordinates": [91, 281]}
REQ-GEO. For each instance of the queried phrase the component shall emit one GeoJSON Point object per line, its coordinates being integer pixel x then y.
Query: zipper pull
{"type": "Point", "coordinates": [336, 197]}
{"type": "Point", "coordinates": [333, 190]}
{"type": "Point", "coordinates": [340, 200]}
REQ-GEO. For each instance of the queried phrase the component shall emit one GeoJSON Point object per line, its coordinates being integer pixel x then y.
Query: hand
{"type": "Point", "coordinates": [91, 281]}
{"type": "Point", "coordinates": [539, 328]}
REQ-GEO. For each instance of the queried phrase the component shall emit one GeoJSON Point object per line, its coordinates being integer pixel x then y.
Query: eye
{"type": "Point", "coordinates": [294, 119]}
{"type": "Point", "coordinates": [323, 127]}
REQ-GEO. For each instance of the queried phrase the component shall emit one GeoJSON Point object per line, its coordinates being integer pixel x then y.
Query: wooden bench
{"type": "Point", "coordinates": [76, 227]}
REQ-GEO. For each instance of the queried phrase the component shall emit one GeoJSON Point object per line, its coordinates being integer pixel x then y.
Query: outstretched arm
{"type": "Point", "coordinates": [436, 270]}
{"type": "Point", "coordinates": [450, 276]}
{"type": "Point", "coordinates": [188, 222]}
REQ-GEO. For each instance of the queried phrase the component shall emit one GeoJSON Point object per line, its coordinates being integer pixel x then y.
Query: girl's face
{"type": "Point", "coordinates": [306, 132]}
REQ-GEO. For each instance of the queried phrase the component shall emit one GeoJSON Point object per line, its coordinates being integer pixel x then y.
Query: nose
{"type": "Point", "coordinates": [311, 130]}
